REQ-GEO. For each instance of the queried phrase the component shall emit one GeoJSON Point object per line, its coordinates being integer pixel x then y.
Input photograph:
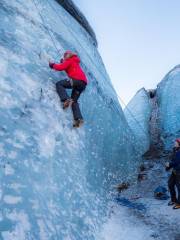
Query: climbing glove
{"type": "Point", "coordinates": [51, 64]}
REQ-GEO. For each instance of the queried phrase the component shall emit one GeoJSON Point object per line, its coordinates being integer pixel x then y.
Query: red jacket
{"type": "Point", "coordinates": [72, 67]}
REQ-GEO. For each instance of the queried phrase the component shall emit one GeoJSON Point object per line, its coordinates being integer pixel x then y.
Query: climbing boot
{"type": "Point", "coordinates": [177, 206]}
{"type": "Point", "coordinates": [78, 123]}
{"type": "Point", "coordinates": [171, 203]}
{"type": "Point", "coordinates": [67, 103]}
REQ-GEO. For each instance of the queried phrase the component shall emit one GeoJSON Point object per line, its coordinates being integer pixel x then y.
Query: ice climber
{"type": "Point", "coordinates": [174, 179]}
{"type": "Point", "coordinates": [77, 81]}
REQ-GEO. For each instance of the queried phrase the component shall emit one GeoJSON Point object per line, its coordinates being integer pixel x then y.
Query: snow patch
{"type": "Point", "coordinates": [122, 225]}
{"type": "Point", "coordinates": [12, 154]}
{"type": "Point", "coordinates": [12, 199]}
{"type": "Point", "coordinates": [21, 136]}
{"type": "Point", "coordinates": [2, 151]}
{"type": "Point", "coordinates": [47, 143]}
{"type": "Point", "coordinates": [42, 230]}
{"type": "Point", "coordinates": [28, 84]}
{"type": "Point", "coordinates": [8, 170]}
{"type": "Point", "coordinates": [21, 229]}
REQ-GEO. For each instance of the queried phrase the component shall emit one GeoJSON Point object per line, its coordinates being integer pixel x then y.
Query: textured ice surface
{"type": "Point", "coordinates": [54, 179]}
{"type": "Point", "coordinates": [138, 113]}
{"type": "Point", "coordinates": [77, 14]}
{"type": "Point", "coordinates": [169, 105]}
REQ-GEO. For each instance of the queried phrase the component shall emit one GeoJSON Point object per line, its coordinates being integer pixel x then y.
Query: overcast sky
{"type": "Point", "coordinates": [139, 40]}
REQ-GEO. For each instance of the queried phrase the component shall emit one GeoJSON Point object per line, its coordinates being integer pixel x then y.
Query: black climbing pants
{"type": "Point", "coordinates": [174, 181]}
{"type": "Point", "coordinates": [77, 87]}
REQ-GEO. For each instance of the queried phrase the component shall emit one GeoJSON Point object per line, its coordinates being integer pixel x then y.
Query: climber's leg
{"type": "Point", "coordinates": [61, 89]}
{"type": "Point", "coordinates": [177, 205]}
{"type": "Point", "coordinates": [78, 88]}
{"type": "Point", "coordinates": [75, 105]}
{"type": "Point", "coordinates": [178, 185]}
{"type": "Point", "coordinates": [171, 185]}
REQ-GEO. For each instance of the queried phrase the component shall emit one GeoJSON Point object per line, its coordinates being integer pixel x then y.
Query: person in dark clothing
{"type": "Point", "coordinates": [174, 179]}
{"type": "Point", "coordinates": [77, 81]}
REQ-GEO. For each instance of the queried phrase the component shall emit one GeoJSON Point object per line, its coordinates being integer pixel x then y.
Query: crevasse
{"type": "Point", "coordinates": [155, 119]}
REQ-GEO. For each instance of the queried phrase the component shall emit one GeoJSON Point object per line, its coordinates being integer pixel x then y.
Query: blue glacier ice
{"type": "Point", "coordinates": [138, 113]}
{"type": "Point", "coordinates": [169, 107]}
{"type": "Point", "coordinates": [156, 120]}
{"type": "Point", "coordinates": [55, 180]}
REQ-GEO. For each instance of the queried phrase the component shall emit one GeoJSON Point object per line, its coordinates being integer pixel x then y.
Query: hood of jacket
{"type": "Point", "coordinates": [75, 58]}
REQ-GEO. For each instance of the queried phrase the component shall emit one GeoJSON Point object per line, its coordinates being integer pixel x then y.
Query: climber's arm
{"type": "Point", "coordinates": [60, 66]}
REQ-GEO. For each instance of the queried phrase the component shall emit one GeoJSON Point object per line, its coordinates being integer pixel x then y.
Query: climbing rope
{"type": "Point", "coordinates": [46, 28]}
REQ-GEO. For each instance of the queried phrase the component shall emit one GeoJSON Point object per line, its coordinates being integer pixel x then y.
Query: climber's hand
{"type": "Point", "coordinates": [51, 64]}
{"type": "Point", "coordinates": [62, 60]}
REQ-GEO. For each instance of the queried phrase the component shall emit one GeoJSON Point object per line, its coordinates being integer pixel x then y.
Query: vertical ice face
{"type": "Point", "coordinates": [138, 113]}
{"type": "Point", "coordinates": [71, 8]}
{"type": "Point", "coordinates": [54, 179]}
{"type": "Point", "coordinates": [169, 106]}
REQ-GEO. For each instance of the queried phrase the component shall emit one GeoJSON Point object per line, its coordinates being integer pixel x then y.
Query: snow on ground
{"type": "Point", "coordinates": [123, 226]}
{"type": "Point", "coordinates": [156, 221]}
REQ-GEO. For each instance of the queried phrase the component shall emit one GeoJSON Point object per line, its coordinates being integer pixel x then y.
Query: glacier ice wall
{"type": "Point", "coordinates": [169, 107]}
{"type": "Point", "coordinates": [54, 180]}
{"type": "Point", "coordinates": [77, 14]}
{"type": "Point", "coordinates": [138, 113]}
